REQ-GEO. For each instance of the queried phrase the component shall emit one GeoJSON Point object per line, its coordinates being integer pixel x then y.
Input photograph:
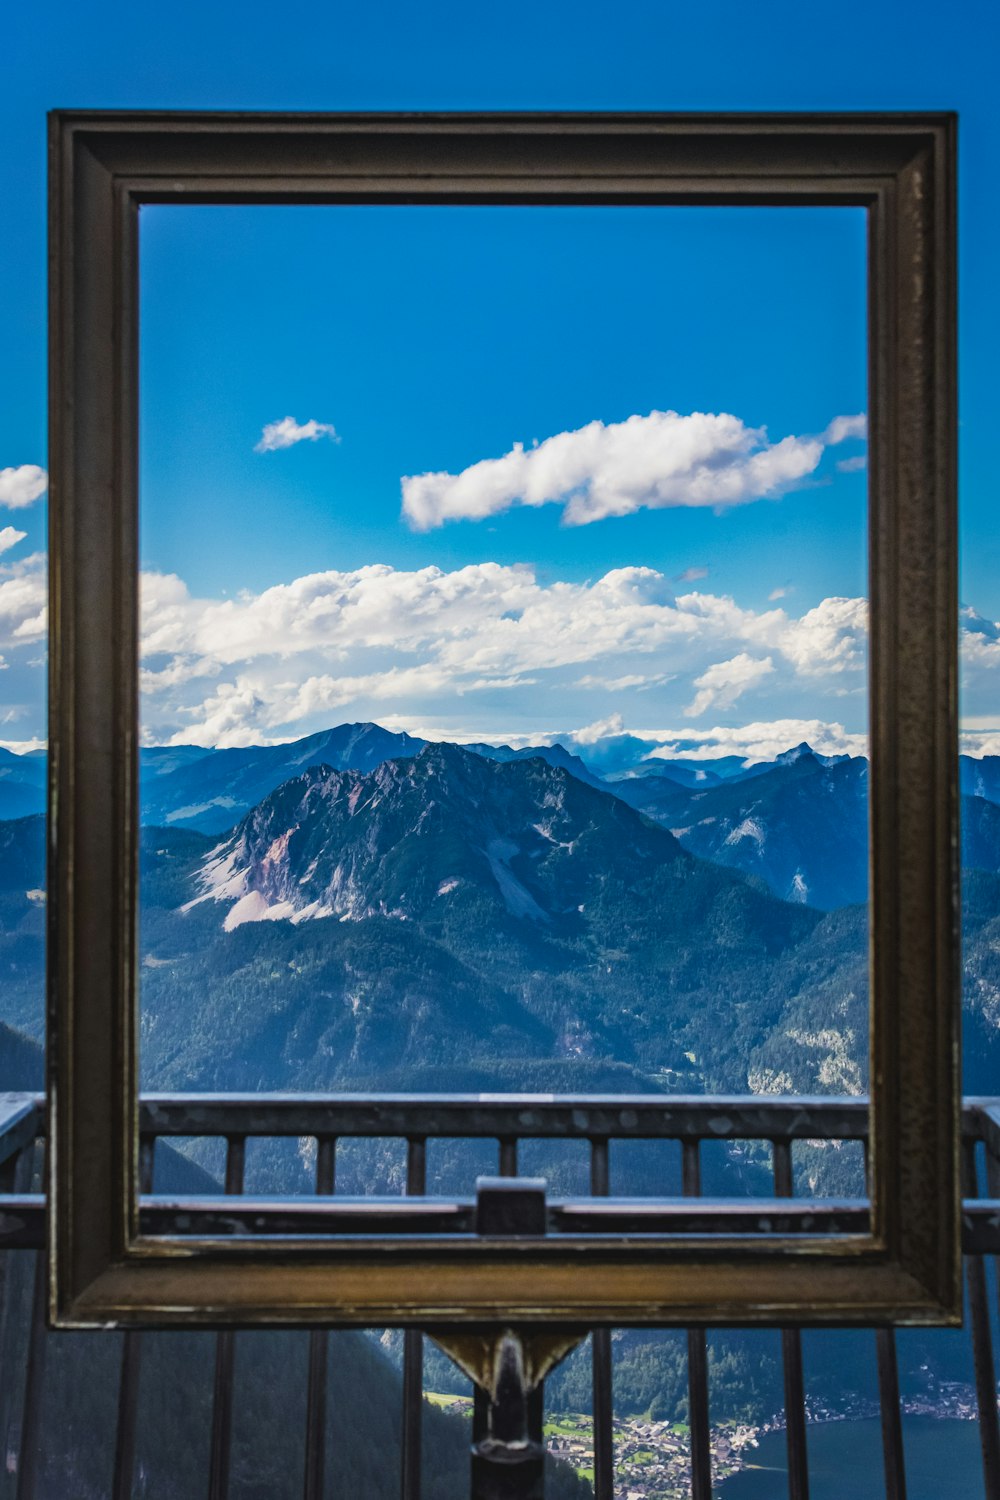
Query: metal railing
{"type": "Point", "coordinates": [330, 1121]}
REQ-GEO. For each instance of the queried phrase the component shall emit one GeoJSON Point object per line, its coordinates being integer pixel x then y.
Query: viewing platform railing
{"type": "Point", "coordinates": [325, 1122]}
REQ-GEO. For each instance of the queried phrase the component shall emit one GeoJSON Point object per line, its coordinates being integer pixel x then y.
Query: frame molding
{"type": "Point", "coordinates": [901, 168]}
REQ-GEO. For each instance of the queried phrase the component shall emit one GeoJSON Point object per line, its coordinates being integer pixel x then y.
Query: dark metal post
{"type": "Point", "coordinates": [225, 1352]}
{"type": "Point", "coordinates": [893, 1452]}
{"type": "Point", "coordinates": [15, 1329]}
{"type": "Point", "coordinates": [982, 1344]}
{"type": "Point", "coordinates": [413, 1349]}
{"type": "Point", "coordinates": [701, 1444]}
{"type": "Point", "coordinates": [29, 1448]}
{"type": "Point", "coordinates": [791, 1357]}
{"type": "Point", "coordinates": [508, 1460]}
{"type": "Point", "coordinates": [600, 1349]}
{"type": "Point", "coordinates": [128, 1381]}
{"type": "Point", "coordinates": [315, 1459]}
{"type": "Point", "coordinates": [893, 1457]}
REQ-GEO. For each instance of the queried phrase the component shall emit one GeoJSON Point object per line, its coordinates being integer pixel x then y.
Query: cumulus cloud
{"type": "Point", "coordinates": [22, 486]}
{"type": "Point", "coordinates": [9, 537]}
{"type": "Point", "coordinates": [725, 681]}
{"type": "Point", "coordinates": [613, 469]}
{"type": "Point", "coordinates": [287, 432]}
{"type": "Point", "coordinates": [832, 638]}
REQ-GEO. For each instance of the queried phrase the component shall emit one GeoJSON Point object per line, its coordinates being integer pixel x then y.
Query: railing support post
{"type": "Point", "coordinates": [508, 1460]}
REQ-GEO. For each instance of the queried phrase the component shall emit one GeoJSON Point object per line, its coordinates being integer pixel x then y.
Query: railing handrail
{"type": "Point", "coordinates": [493, 1115]}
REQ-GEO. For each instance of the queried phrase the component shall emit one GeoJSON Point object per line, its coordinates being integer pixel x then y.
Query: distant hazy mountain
{"type": "Point", "coordinates": [553, 755]}
{"type": "Point", "coordinates": [22, 784]}
{"type": "Point", "coordinates": [800, 823]}
{"type": "Point", "coordinates": [211, 790]}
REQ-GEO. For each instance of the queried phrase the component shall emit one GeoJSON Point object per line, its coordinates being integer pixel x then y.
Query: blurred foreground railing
{"type": "Point", "coordinates": [326, 1121]}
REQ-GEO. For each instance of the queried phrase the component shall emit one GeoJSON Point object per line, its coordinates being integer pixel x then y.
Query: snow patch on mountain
{"type": "Point", "coordinates": [748, 829]}
{"type": "Point", "coordinates": [219, 877]}
{"type": "Point", "coordinates": [253, 908]}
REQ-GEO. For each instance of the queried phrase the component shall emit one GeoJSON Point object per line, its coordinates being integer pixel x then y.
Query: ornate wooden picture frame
{"type": "Point", "coordinates": [109, 1265]}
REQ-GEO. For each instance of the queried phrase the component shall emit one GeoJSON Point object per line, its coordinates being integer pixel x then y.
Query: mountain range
{"type": "Point", "coordinates": [504, 917]}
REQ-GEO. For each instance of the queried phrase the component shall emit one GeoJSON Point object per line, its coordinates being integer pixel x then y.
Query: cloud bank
{"type": "Point", "coordinates": [613, 469]}
{"type": "Point", "coordinates": [287, 432]}
{"type": "Point", "coordinates": [378, 640]}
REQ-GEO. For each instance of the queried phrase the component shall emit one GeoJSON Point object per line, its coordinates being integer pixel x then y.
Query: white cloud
{"type": "Point", "coordinates": [980, 743]}
{"type": "Point", "coordinates": [762, 740]}
{"type": "Point", "coordinates": [832, 638]}
{"type": "Point", "coordinates": [852, 465]}
{"type": "Point", "coordinates": [23, 601]}
{"type": "Point", "coordinates": [620, 684]}
{"type": "Point", "coordinates": [9, 537]}
{"type": "Point", "coordinates": [725, 681]}
{"type": "Point", "coordinates": [22, 486]}
{"type": "Point", "coordinates": [601, 729]}
{"type": "Point", "coordinates": [842, 428]}
{"type": "Point", "coordinates": [287, 432]}
{"type": "Point", "coordinates": [777, 594]}
{"type": "Point", "coordinates": [657, 461]}
{"type": "Point", "coordinates": [691, 575]}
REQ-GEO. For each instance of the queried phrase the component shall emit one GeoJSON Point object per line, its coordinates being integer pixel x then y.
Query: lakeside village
{"type": "Point", "coordinates": [652, 1459]}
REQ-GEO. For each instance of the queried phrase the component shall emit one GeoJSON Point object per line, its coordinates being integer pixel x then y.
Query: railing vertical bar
{"type": "Point", "coordinates": [128, 1380]}
{"type": "Point", "coordinates": [600, 1353]}
{"type": "Point", "coordinates": [893, 1455]}
{"type": "Point", "coordinates": [326, 1165]}
{"type": "Point", "coordinates": [697, 1342]}
{"type": "Point", "coordinates": [225, 1352]}
{"type": "Point", "coordinates": [29, 1447]}
{"type": "Point", "coordinates": [15, 1177]}
{"type": "Point", "coordinates": [890, 1411]}
{"type": "Point", "coordinates": [480, 1414]}
{"type": "Point", "coordinates": [993, 1188]}
{"type": "Point", "coordinates": [791, 1356]}
{"type": "Point", "coordinates": [413, 1349]}
{"type": "Point", "coordinates": [600, 1167]}
{"type": "Point", "coordinates": [319, 1342]}
{"type": "Point", "coordinates": [508, 1156]}
{"type": "Point", "coordinates": [982, 1344]}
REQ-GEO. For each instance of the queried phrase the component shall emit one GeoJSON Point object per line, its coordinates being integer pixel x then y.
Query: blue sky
{"type": "Point", "coordinates": [435, 339]}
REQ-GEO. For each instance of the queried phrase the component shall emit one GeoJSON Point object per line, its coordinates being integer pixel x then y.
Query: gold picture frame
{"type": "Point", "coordinates": [901, 169]}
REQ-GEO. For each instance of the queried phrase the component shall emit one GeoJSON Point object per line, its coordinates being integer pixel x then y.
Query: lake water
{"type": "Point", "coordinates": [943, 1462]}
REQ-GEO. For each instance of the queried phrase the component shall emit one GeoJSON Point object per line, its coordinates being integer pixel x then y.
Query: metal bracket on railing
{"type": "Point", "coordinates": [508, 1206]}
{"type": "Point", "coordinates": [507, 1365]}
